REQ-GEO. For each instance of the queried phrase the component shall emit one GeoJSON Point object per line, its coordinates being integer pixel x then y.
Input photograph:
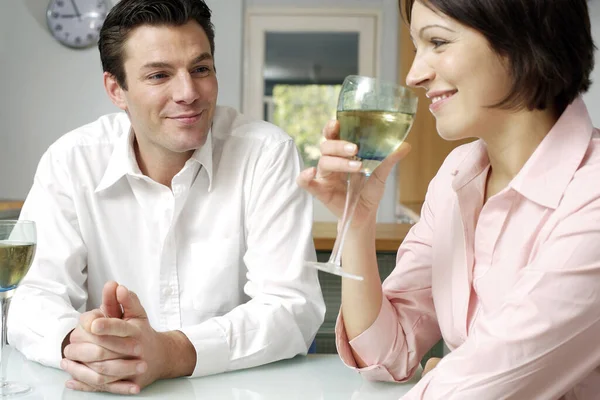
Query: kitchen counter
{"type": "Point", "coordinates": [388, 236]}
{"type": "Point", "coordinates": [322, 377]}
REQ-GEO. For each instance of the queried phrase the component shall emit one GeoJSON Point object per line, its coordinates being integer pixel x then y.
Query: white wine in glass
{"type": "Point", "coordinates": [17, 249]}
{"type": "Point", "coordinates": [376, 116]}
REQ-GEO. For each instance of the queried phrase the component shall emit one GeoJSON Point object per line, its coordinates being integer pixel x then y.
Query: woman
{"type": "Point", "coordinates": [504, 264]}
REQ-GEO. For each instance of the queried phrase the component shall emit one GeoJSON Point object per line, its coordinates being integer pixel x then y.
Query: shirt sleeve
{"type": "Point", "coordinates": [286, 306]}
{"type": "Point", "coordinates": [406, 327]}
{"type": "Point", "coordinates": [44, 308]}
{"type": "Point", "coordinates": [542, 340]}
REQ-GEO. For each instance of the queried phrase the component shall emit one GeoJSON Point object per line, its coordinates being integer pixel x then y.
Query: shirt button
{"type": "Point", "coordinates": [178, 189]}
{"type": "Point", "coordinates": [167, 291]}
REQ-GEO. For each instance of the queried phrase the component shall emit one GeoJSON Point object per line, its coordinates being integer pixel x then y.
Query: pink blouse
{"type": "Point", "coordinates": [512, 285]}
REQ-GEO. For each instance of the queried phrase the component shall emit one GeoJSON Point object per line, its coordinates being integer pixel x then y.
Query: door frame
{"type": "Point", "coordinates": [260, 20]}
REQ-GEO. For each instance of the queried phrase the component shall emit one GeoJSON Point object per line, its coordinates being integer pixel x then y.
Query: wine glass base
{"type": "Point", "coordinates": [9, 389]}
{"type": "Point", "coordinates": [333, 269]}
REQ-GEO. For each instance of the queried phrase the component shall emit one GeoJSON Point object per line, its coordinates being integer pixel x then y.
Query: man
{"type": "Point", "coordinates": [172, 236]}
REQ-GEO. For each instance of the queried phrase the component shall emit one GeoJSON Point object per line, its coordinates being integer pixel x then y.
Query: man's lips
{"type": "Point", "coordinates": [188, 118]}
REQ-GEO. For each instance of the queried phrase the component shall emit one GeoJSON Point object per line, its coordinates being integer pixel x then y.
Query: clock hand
{"type": "Point", "coordinates": [67, 16]}
{"type": "Point", "coordinates": [76, 10]}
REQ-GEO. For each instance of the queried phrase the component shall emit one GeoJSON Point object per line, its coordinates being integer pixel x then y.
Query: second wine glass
{"type": "Point", "coordinates": [17, 249]}
{"type": "Point", "coordinates": [376, 116]}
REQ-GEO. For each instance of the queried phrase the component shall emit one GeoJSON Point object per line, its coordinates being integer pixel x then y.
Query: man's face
{"type": "Point", "coordinates": [171, 87]}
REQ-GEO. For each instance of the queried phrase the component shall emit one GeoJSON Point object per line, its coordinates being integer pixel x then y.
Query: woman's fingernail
{"type": "Point", "coordinates": [70, 385]}
{"type": "Point", "coordinates": [350, 148]}
{"type": "Point", "coordinates": [134, 390]}
{"type": "Point", "coordinates": [354, 164]}
{"type": "Point", "coordinates": [331, 123]}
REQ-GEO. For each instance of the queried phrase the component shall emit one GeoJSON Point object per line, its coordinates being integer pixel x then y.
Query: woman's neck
{"type": "Point", "coordinates": [510, 147]}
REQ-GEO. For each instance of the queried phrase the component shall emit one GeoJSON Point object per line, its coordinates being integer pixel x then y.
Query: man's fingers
{"type": "Point", "coordinates": [118, 368]}
{"type": "Point", "coordinates": [85, 374]}
{"type": "Point", "coordinates": [114, 327]}
{"type": "Point", "coordinates": [86, 352]}
{"type": "Point", "coordinates": [118, 387]}
{"type": "Point", "coordinates": [86, 319]}
{"type": "Point", "coordinates": [105, 348]}
{"type": "Point", "coordinates": [110, 305]}
{"type": "Point", "coordinates": [132, 307]}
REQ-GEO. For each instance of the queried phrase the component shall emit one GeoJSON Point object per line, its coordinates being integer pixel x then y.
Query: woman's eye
{"type": "Point", "coordinates": [437, 43]}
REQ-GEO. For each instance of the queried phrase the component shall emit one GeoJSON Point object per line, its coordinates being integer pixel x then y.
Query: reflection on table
{"type": "Point", "coordinates": [322, 377]}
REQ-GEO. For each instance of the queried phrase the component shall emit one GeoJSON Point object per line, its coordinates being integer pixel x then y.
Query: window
{"type": "Point", "coordinates": [302, 111]}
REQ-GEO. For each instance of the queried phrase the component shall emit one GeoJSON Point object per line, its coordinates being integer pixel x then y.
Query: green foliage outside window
{"type": "Point", "coordinates": [302, 111]}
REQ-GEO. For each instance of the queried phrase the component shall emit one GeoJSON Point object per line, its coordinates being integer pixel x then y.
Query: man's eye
{"type": "Point", "coordinates": [202, 70]}
{"type": "Point", "coordinates": [157, 76]}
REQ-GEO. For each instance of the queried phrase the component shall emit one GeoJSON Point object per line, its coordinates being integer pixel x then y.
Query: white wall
{"type": "Point", "coordinates": [48, 89]}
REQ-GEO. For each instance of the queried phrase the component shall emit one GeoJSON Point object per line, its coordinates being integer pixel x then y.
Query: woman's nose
{"type": "Point", "coordinates": [420, 73]}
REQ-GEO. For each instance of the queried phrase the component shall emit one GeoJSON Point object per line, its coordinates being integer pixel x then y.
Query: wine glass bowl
{"type": "Point", "coordinates": [376, 116]}
{"type": "Point", "coordinates": [17, 249]}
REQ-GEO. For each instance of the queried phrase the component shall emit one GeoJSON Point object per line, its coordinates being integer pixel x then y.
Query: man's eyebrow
{"type": "Point", "coordinates": [162, 64]}
{"type": "Point", "coordinates": [156, 64]}
{"type": "Point", "coordinates": [202, 57]}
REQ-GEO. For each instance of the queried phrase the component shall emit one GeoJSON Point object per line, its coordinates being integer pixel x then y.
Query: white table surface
{"type": "Point", "coordinates": [321, 377]}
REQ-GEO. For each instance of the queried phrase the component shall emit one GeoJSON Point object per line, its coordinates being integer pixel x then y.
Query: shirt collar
{"type": "Point", "coordinates": [123, 162]}
{"type": "Point", "coordinates": [547, 173]}
{"type": "Point", "coordinates": [203, 156]}
{"type": "Point", "coordinates": [472, 165]}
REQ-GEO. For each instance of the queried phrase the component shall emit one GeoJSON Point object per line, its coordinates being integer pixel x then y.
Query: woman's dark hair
{"type": "Point", "coordinates": [127, 15]}
{"type": "Point", "coordinates": [548, 44]}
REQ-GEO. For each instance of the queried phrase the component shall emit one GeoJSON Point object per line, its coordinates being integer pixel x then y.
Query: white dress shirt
{"type": "Point", "coordinates": [218, 256]}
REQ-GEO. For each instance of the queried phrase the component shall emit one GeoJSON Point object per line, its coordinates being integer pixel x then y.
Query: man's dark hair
{"type": "Point", "coordinates": [127, 15]}
{"type": "Point", "coordinates": [548, 44]}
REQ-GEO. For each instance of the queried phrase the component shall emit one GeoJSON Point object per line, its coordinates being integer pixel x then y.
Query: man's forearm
{"type": "Point", "coordinates": [180, 355]}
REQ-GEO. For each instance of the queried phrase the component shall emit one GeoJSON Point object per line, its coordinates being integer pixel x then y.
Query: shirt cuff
{"type": "Point", "coordinates": [51, 346]}
{"type": "Point", "coordinates": [212, 348]}
{"type": "Point", "coordinates": [372, 346]}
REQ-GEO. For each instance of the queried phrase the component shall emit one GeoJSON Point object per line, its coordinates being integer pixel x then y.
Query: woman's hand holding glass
{"type": "Point", "coordinates": [329, 181]}
{"type": "Point", "coordinates": [374, 118]}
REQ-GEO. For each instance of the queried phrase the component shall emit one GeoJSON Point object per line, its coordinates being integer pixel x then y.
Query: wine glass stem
{"type": "Point", "coordinates": [356, 182]}
{"type": "Point", "coordinates": [4, 303]}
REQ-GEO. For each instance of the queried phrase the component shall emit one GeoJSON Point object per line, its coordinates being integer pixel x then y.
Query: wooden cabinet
{"type": "Point", "coordinates": [10, 209]}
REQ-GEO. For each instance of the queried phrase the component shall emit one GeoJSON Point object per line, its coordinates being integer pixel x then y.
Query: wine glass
{"type": "Point", "coordinates": [17, 248]}
{"type": "Point", "coordinates": [376, 116]}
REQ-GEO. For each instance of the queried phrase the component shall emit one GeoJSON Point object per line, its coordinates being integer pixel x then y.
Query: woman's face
{"type": "Point", "coordinates": [460, 73]}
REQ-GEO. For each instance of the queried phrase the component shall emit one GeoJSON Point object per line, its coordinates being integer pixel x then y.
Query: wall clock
{"type": "Point", "coordinates": [76, 23]}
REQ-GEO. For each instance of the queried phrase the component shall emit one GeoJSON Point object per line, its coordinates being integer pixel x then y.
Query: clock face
{"type": "Point", "coordinates": [76, 23]}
